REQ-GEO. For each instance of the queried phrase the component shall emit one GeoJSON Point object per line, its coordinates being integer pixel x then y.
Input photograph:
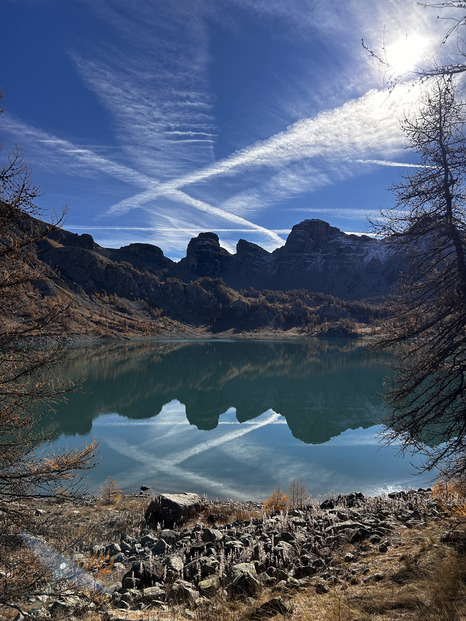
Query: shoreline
{"type": "Point", "coordinates": [71, 341]}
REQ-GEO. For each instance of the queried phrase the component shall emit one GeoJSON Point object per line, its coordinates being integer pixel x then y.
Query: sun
{"type": "Point", "coordinates": [404, 54]}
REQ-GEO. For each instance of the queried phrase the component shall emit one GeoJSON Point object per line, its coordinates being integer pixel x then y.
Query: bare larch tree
{"type": "Point", "coordinates": [427, 325]}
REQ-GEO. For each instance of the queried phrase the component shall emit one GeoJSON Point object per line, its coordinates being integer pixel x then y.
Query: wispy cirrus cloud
{"type": "Point", "coordinates": [85, 161]}
{"type": "Point", "coordinates": [156, 86]}
{"type": "Point", "coordinates": [172, 100]}
{"type": "Point", "coordinates": [64, 155]}
{"type": "Point", "coordinates": [154, 126]}
{"type": "Point", "coordinates": [310, 154]}
{"type": "Point", "coordinates": [353, 133]}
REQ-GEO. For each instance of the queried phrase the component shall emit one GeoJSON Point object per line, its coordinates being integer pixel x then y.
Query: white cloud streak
{"type": "Point", "coordinates": [351, 133]}
{"type": "Point", "coordinates": [153, 78]}
{"type": "Point", "coordinates": [173, 427]}
{"type": "Point", "coordinates": [333, 141]}
{"type": "Point", "coordinates": [70, 157]}
{"type": "Point", "coordinates": [154, 83]}
{"type": "Point", "coordinates": [82, 227]}
{"type": "Point", "coordinates": [389, 163]}
{"type": "Point", "coordinates": [87, 160]}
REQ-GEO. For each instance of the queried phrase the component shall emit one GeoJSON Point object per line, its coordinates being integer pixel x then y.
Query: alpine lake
{"type": "Point", "coordinates": [232, 418]}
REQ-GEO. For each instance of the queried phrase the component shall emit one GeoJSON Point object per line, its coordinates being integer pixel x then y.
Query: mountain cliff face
{"type": "Point", "coordinates": [316, 257]}
{"type": "Point", "coordinates": [319, 282]}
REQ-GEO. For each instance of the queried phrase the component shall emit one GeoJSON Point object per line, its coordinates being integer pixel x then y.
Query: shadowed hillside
{"type": "Point", "coordinates": [136, 290]}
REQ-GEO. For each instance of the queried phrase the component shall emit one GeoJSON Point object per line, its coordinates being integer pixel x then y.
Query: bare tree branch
{"type": "Point", "coordinates": [27, 474]}
{"type": "Point", "coordinates": [426, 329]}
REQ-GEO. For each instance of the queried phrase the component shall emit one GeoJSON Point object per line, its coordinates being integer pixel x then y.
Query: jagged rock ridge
{"type": "Point", "coordinates": [319, 282]}
{"type": "Point", "coordinates": [316, 257]}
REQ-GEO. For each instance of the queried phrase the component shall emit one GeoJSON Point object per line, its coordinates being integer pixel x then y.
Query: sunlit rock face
{"type": "Point", "coordinates": [321, 258]}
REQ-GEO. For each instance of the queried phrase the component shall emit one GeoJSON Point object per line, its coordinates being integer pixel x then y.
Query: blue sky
{"type": "Point", "coordinates": [154, 120]}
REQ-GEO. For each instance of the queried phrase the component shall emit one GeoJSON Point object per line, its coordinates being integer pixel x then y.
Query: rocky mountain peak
{"type": "Point", "coordinates": [310, 235]}
{"type": "Point", "coordinates": [245, 247]}
{"type": "Point", "coordinates": [148, 251]}
{"type": "Point", "coordinates": [204, 256]}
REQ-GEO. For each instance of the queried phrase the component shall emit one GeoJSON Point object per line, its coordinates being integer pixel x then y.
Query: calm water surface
{"type": "Point", "coordinates": [232, 419]}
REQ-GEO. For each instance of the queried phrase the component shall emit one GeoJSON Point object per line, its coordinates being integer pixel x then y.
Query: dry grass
{"type": "Point", "coordinates": [420, 577]}
{"type": "Point", "coordinates": [222, 513]}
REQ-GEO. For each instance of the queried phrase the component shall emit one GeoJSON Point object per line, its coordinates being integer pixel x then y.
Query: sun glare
{"type": "Point", "coordinates": [404, 53]}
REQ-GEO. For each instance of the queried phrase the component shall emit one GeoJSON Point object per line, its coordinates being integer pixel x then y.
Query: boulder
{"type": "Point", "coordinates": [211, 535]}
{"type": "Point", "coordinates": [174, 568]}
{"type": "Point", "coordinates": [271, 608]}
{"type": "Point", "coordinates": [171, 509]}
{"type": "Point", "coordinates": [154, 594]}
{"type": "Point", "coordinates": [147, 574]}
{"type": "Point", "coordinates": [243, 580]}
{"type": "Point", "coordinates": [183, 592]}
{"type": "Point", "coordinates": [209, 586]}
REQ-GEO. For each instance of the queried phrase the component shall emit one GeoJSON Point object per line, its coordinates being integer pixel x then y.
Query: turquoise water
{"type": "Point", "coordinates": [232, 419]}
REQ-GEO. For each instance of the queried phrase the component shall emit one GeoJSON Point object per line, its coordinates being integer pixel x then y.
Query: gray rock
{"type": "Point", "coordinates": [169, 536]}
{"type": "Point", "coordinates": [211, 535]}
{"type": "Point", "coordinates": [183, 592]}
{"type": "Point", "coordinates": [243, 580]}
{"type": "Point", "coordinates": [148, 540]}
{"type": "Point", "coordinates": [147, 573]}
{"type": "Point", "coordinates": [61, 607]}
{"type": "Point", "coordinates": [233, 546]}
{"type": "Point", "coordinates": [203, 566]}
{"type": "Point", "coordinates": [154, 594]}
{"type": "Point", "coordinates": [130, 582]}
{"type": "Point", "coordinates": [274, 606]}
{"type": "Point", "coordinates": [125, 546]}
{"type": "Point", "coordinates": [375, 539]}
{"type": "Point", "coordinates": [112, 549]}
{"type": "Point", "coordinates": [277, 573]}
{"type": "Point", "coordinates": [304, 571]}
{"type": "Point", "coordinates": [174, 567]}
{"type": "Point", "coordinates": [209, 586]}
{"type": "Point", "coordinates": [131, 596]}
{"type": "Point", "coordinates": [318, 563]}
{"type": "Point", "coordinates": [322, 588]}
{"type": "Point", "coordinates": [171, 509]}
{"type": "Point", "coordinates": [160, 547]}
{"type": "Point", "coordinates": [284, 550]}
{"type": "Point", "coordinates": [293, 583]}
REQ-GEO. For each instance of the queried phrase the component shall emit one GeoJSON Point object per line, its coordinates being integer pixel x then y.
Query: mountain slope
{"type": "Point", "coordinates": [137, 290]}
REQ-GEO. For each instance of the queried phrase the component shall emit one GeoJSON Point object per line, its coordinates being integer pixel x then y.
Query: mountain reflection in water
{"type": "Point", "coordinates": [322, 388]}
{"type": "Point", "coordinates": [132, 399]}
